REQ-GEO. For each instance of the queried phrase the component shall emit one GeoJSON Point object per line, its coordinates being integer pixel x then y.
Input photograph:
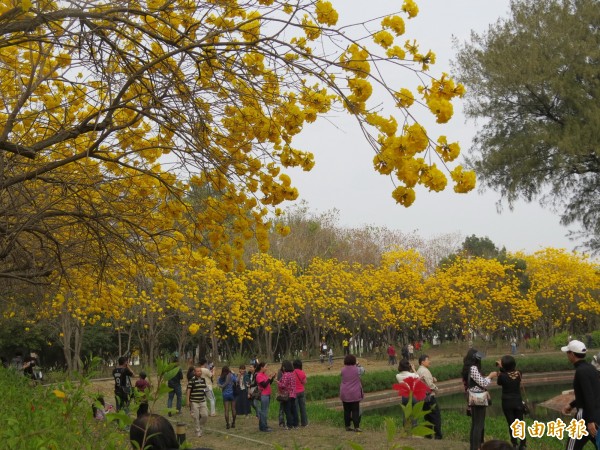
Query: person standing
{"type": "Point", "coordinates": [586, 385]}
{"type": "Point", "coordinates": [411, 351]}
{"type": "Point", "coordinates": [207, 374]}
{"type": "Point", "coordinates": [142, 385]}
{"type": "Point", "coordinates": [122, 375]}
{"type": "Point", "coordinates": [242, 401]}
{"type": "Point", "coordinates": [264, 386]}
{"type": "Point", "coordinates": [287, 387]}
{"type": "Point", "coordinates": [404, 352]}
{"type": "Point", "coordinates": [253, 392]}
{"type": "Point", "coordinates": [174, 384]}
{"type": "Point", "coordinates": [346, 346]}
{"type": "Point", "coordinates": [300, 392]}
{"type": "Point", "coordinates": [227, 382]}
{"type": "Point", "coordinates": [196, 400]}
{"type": "Point", "coordinates": [351, 392]}
{"type": "Point", "coordinates": [512, 402]}
{"type": "Point", "coordinates": [475, 382]}
{"type": "Point", "coordinates": [405, 371]}
{"type": "Point", "coordinates": [330, 358]}
{"type": "Point", "coordinates": [391, 352]}
{"type": "Point", "coordinates": [434, 416]}
{"type": "Point", "coordinates": [323, 351]}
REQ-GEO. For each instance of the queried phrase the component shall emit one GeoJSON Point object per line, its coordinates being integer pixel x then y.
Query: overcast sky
{"type": "Point", "coordinates": [343, 177]}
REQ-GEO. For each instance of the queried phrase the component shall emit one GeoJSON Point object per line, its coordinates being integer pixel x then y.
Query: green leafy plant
{"type": "Point", "coordinates": [414, 423]}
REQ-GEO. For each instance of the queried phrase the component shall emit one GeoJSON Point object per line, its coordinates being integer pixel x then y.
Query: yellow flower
{"type": "Point", "coordinates": [405, 98]}
{"type": "Point", "coordinates": [193, 328]}
{"type": "Point", "coordinates": [404, 196]}
{"type": "Point", "coordinates": [383, 38]}
{"type": "Point", "coordinates": [59, 394]}
{"type": "Point", "coordinates": [410, 8]}
{"type": "Point", "coordinates": [325, 13]}
{"type": "Point", "coordinates": [465, 180]}
{"type": "Point", "coordinates": [395, 52]}
{"type": "Point", "coordinates": [395, 23]}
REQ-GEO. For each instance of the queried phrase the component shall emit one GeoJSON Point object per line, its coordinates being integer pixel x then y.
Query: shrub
{"type": "Point", "coordinates": [595, 338]}
{"type": "Point", "coordinates": [534, 343]}
{"type": "Point", "coordinates": [57, 417]}
{"type": "Point", "coordinates": [559, 340]}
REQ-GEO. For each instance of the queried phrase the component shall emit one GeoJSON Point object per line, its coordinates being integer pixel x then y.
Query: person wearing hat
{"type": "Point", "coordinates": [586, 385]}
{"type": "Point", "coordinates": [474, 381]}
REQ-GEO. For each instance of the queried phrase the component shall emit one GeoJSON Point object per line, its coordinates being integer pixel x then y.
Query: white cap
{"type": "Point", "coordinates": [575, 347]}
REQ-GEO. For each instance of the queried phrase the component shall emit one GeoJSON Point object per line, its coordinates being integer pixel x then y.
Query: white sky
{"type": "Point", "coordinates": [343, 177]}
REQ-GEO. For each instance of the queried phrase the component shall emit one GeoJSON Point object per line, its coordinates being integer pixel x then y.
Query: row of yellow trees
{"type": "Point", "coordinates": [276, 306]}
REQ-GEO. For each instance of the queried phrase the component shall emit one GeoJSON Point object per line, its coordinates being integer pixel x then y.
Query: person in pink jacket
{"type": "Point", "coordinates": [263, 382]}
{"type": "Point", "coordinates": [351, 392]}
{"type": "Point", "coordinates": [300, 392]}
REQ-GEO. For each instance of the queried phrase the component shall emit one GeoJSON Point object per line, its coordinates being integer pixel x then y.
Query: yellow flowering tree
{"type": "Point", "coordinates": [112, 111]}
{"type": "Point", "coordinates": [565, 287]}
{"type": "Point", "coordinates": [213, 301]}
{"type": "Point", "coordinates": [272, 302]}
{"type": "Point", "coordinates": [478, 295]}
{"type": "Point", "coordinates": [395, 292]}
{"type": "Point", "coordinates": [327, 299]}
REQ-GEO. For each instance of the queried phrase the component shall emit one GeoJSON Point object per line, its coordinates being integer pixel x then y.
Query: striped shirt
{"type": "Point", "coordinates": [197, 388]}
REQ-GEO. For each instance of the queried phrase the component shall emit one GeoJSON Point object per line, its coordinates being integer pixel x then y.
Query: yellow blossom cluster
{"type": "Point", "coordinates": [171, 145]}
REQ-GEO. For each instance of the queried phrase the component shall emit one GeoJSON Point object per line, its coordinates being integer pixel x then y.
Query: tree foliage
{"type": "Point", "coordinates": [111, 111]}
{"type": "Point", "coordinates": [534, 79]}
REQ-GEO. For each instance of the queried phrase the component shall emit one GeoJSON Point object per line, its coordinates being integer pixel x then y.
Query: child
{"type": "Point", "coordinates": [100, 409]}
{"type": "Point", "coordinates": [330, 354]}
{"type": "Point", "coordinates": [142, 385]}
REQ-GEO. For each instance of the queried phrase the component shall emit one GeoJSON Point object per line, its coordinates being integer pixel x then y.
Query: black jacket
{"type": "Point", "coordinates": [587, 391]}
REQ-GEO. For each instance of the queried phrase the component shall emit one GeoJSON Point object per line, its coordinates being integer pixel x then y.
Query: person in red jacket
{"type": "Point", "coordinates": [391, 351]}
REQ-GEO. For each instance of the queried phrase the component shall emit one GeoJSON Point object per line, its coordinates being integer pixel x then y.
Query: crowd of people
{"type": "Point", "coordinates": [586, 404]}
{"type": "Point", "coordinates": [253, 387]}
{"type": "Point", "coordinates": [247, 392]}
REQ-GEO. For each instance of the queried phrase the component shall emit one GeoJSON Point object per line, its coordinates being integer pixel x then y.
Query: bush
{"type": "Point", "coordinates": [560, 340]}
{"type": "Point", "coordinates": [58, 417]}
{"type": "Point", "coordinates": [534, 343]}
{"type": "Point", "coordinates": [595, 338]}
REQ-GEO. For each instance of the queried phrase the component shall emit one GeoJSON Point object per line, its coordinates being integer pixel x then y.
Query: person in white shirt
{"type": "Point", "coordinates": [207, 374]}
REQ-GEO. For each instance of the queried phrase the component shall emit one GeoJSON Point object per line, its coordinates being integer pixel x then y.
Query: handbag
{"type": "Point", "coordinates": [283, 396]}
{"type": "Point", "coordinates": [478, 398]}
{"type": "Point", "coordinates": [475, 398]}
{"type": "Point", "coordinates": [254, 393]}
